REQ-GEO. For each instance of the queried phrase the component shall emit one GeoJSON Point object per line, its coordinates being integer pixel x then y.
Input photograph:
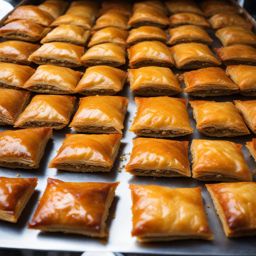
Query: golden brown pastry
{"type": "Point", "coordinates": [218, 160]}
{"type": "Point", "coordinates": [58, 53]}
{"type": "Point", "coordinates": [74, 207]}
{"type": "Point", "coordinates": [104, 54]}
{"type": "Point", "coordinates": [235, 204]}
{"type": "Point", "coordinates": [187, 18]}
{"type": "Point", "coordinates": [84, 8]}
{"type": "Point", "coordinates": [47, 111]}
{"type": "Point", "coordinates": [159, 158]}
{"type": "Point", "coordinates": [24, 30]}
{"type": "Point", "coordinates": [100, 114]}
{"type": "Point", "coordinates": [125, 8]}
{"type": "Point", "coordinates": [221, 20]}
{"type": "Point", "coordinates": [218, 119]}
{"type": "Point", "coordinates": [237, 54]}
{"type": "Point", "coordinates": [161, 117]}
{"type": "Point", "coordinates": [193, 55]}
{"type": "Point", "coordinates": [251, 146]}
{"type": "Point", "coordinates": [24, 148]}
{"type": "Point", "coordinates": [175, 6]}
{"type": "Point", "coordinates": [16, 51]}
{"type": "Point", "coordinates": [150, 5]}
{"type": "Point", "coordinates": [87, 153]}
{"type": "Point", "coordinates": [236, 35]}
{"type": "Point", "coordinates": [248, 110]}
{"type": "Point", "coordinates": [101, 80]}
{"type": "Point", "coordinates": [146, 33]}
{"type": "Point", "coordinates": [12, 103]}
{"type": "Point", "coordinates": [109, 35]}
{"type": "Point", "coordinates": [67, 33]}
{"type": "Point", "coordinates": [188, 34]}
{"type": "Point", "coordinates": [245, 77]}
{"type": "Point", "coordinates": [163, 213]}
{"type": "Point", "coordinates": [15, 194]}
{"type": "Point", "coordinates": [153, 81]}
{"type": "Point", "coordinates": [14, 75]}
{"type": "Point", "coordinates": [206, 82]}
{"type": "Point", "coordinates": [150, 53]}
{"type": "Point", "coordinates": [31, 13]}
{"type": "Point", "coordinates": [53, 79]}
{"type": "Point", "coordinates": [54, 7]}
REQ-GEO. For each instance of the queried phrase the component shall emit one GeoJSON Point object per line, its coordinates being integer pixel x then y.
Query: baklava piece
{"type": "Point", "coordinates": [74, 207]}
{"type": "Point", "coordinates": [164, 214]}
{"type": "Point", "coordinates": [101, 80]}
{"type": "Point", "coordinates": [161, 117]}
{"type": "Point", "coordinates": [109, 35]}
{"type": "Point", "coordinates": [125, 8]}
{"type": "Point", "coordinates": [150, 53]}
{"type": "Point", "coordinates": [245, 77]}
{"type": "Point", "coordinates": [218, 119]}
{"type": "Point", "coordinates": [53, 79]}
{"type": "Point", "coordinates": [236, 35]}
{"type": "Point", "coordinates": [58, 53]}
{"type": "Point", "coordinates": [251, 146]}
{"type": "Point", "coordinates": [15, 194]}
{"type": "Point", "coordinates": [218, 160]}
{"type": "Point", "coordinates": [206, 82]}
{"type": "Point", "coordinates": [153, 81]}
{"type": "Point", "coordinates": [105, 54]}
{"type": "Point", "coordinates": [23, 149]}
{"type": "Point", "coordinates": [237, 54]}
{"type": "Point", "coordinates": [193, 55]}
{"type": "Point", "coordinates": [54, 7]}
{"type": "Point", "coordinates": [14, 75]}
{"type": "Point", "coordinates": [17, 51]}
{"type": "Point", "coordinates": [146, 33]}
{"type": "Point", "coordinates": [159, 158]}
{"type": "Point", "coordinates": [100, 114]}
{"type": "Point", "coordinates": [235, 204]}
{"type": "Point", "coordinates": [68, 34]}
{"type": "Point", "coordinates": [87, 153]}
{"type": "Point", "coordinates": [186, 18]}
{"type": "Point", "coordinates": [188, 34]}
{"type": "Point", "coordinates": [12, 103]}
{"type": "Point", "coordinates": [47, 111]}
{"type": "Point", "coordinates": [190, 6]}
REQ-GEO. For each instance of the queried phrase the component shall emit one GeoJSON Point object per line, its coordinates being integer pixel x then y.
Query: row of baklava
{"type": "Point", "coordinates": [158, 213]}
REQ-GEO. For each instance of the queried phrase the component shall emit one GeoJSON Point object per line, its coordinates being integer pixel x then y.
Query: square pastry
{"type": "Point", "coordinates": [159, 158]}
{"type": "Point", "coordinates": [193, 56]}
{"type": "Point", "coordinates": [74, 207]}
{"type": "Point", "coordinates": [206, 82]}
{"type": "Point", "coordinates": [251, 146]}
{"type": "Point", "coordinates": [47, 111]}
{"type": "Point", "coordinates": [161, 117]}
{"type": "Point", "coordinates": [245, 77]}
{"type": "Point", "coordinates": [235, 204]}
{"type": "Point", "coordinates": [236, 35]}
{"type": "Point", "coordinates": [175, 6]}
{"type": "Point", "coordinates": [188, 34]}
{"type": "Point", "coordinates": [150, 53]}
{"type": "Point", "coordinates": [67, 33]}
{"type": "Point", "coordinates": [237, 54]}
{"type": "Point", "coordinates": [109, 35]}
{"type": "Point", "coordinates": [54, 7]}
{"type": "Point", "coordinates": [218, 160]}
{"type": "Point", "coordinates": [188, 18]}
{"type": "Point", "coordinates": [218, 119]}
{"type": "Point", "coordinates": [101, 80]}
{"type": "Point", "coordinates": [53, 79]}
{"type": "Point", "coordinates": [16, 51]}
{"type": "Point", "coordinates": [105, 54]}
{"type": "Point", "coordinates": [24, 148]}
{"type": "Point", "coordinates": [12, 103]}
{"type": "Point", "coordinates": [164, 214]}
{"type": "Point", "coordinates": [14, 75]}
{"type": "Point", "coordinates": [58, 53]}
{"type": "Point", "coordinates": [146, 33]}
{"type": "Point", "coordinates": [100, 114]}
{"type": "Point", "coordinates": [15, 194]}
{"type": "Point", "coordinates": [153, 81]}
{"type": "Point", "coordinates": [87, 153]}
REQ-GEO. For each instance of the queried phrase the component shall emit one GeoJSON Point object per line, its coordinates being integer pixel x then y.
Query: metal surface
{"type": "Point", "coordinates": [120, 240]}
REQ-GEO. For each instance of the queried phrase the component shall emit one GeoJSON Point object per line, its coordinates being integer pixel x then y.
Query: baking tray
{"type": "Point", "coordinates": [20, 237]}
